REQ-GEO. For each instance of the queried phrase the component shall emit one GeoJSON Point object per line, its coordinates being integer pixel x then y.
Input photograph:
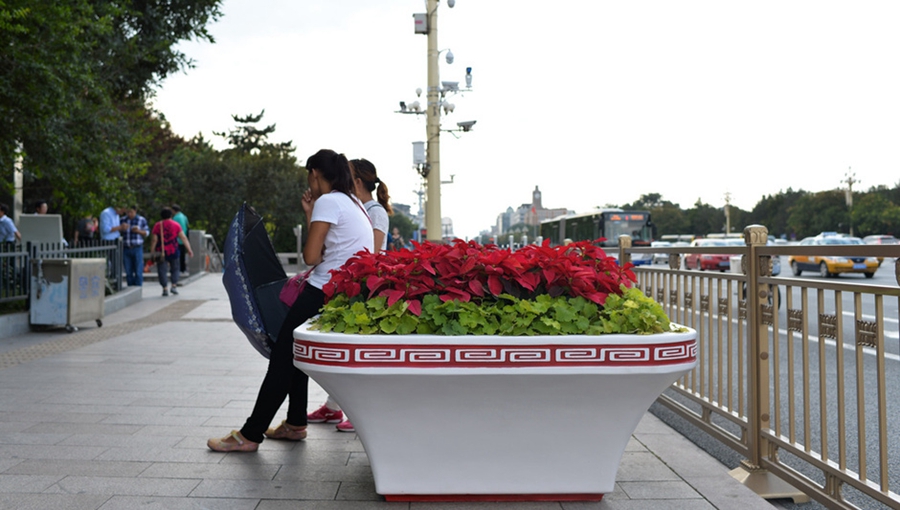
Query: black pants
{"type": "Point", "coordinates": [282, 378]}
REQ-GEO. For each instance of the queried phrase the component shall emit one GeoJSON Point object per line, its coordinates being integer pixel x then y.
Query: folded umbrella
{"type": "Point", "coordinates": [253, 277]}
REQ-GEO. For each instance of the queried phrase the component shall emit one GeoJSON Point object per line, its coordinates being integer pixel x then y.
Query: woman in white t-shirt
{"type": "Point", "coordinates": [338, 227]}
{"type": "Point", "coordinates": [366, 181]}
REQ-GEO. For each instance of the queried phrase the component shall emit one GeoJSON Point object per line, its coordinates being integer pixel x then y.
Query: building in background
{"type": "Point", "coordinates": [529, 215]}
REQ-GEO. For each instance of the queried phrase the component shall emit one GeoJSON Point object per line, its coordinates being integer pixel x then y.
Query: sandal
{"type": "Point", "coordinates": [233, 442]}
{"type": "Point", "coordinates": [286, 431]}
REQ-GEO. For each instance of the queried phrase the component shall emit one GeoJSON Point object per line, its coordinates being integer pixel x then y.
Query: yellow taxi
{"type": "Point", "coordinates": [832, 266]}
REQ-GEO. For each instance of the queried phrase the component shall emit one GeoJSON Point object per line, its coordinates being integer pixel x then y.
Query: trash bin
{"type": "Point", "coordinates": [67, 291]}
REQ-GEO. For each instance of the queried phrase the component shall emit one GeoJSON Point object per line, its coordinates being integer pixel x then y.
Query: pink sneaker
{"type": "Point", "coordinates": [325, 415]}
{"type": "Point", "coordinates": [345, 426]}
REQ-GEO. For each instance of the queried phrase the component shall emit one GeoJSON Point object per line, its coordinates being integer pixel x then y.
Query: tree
{"type": "Point", "coordinates": [705, 219]}
{"type": "Point", "coordinates": [819, 212]}
{"type": "Point", "coordinates": [265, 174]}
{"type": "Point", "coordinates": [74, 79]}
{"type": "Point", "coordinates": [875, 214]}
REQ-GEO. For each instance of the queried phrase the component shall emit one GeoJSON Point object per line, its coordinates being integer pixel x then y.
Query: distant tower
{"type": "Point", "coordinates": [536, 199]}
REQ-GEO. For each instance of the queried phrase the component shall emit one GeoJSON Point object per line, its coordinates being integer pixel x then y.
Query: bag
{"type": "Point", "coordinates": [156, 257]}
{"type": "Point", "coordinates": [293, 287]}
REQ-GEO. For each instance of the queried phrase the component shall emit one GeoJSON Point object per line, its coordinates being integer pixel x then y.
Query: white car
{"type": "Point", "coordinates": [660, 258]}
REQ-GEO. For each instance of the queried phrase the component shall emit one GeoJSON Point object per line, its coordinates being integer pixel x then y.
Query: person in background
{"type": "Point", "coordinates": [85, 230]}
{"type": "Point", "coordinates": [9, 234]}
{"type": "Point", "coordinates": [365, 179]}
{"type": "Point", "coordinates": [41, 207]}
{"type": "Point", "coordinates": [337, 227]}
{"type": "Point", "coordinates": [182, 220]}
{"type": "Point", "coordinates": [111, 224]}
{"type": "Point", "coordinates": [165, 237]}
{"type": "Point", "coordinates": [397, 242]}
{"type": "Point", "coordinates": [136, 230]}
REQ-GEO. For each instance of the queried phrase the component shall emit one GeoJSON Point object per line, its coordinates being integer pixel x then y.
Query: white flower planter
{"type": "Point", "coordinates": [494, 418]}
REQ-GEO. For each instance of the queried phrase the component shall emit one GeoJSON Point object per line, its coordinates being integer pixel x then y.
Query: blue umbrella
{"type": "Point", "coordinates": [253, 278]}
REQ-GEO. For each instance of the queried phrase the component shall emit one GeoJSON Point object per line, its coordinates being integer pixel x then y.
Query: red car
{"type": "Point", "coordinates": [702, 261]}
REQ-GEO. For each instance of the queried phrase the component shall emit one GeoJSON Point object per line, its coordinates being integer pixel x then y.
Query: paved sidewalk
{"type": "Point", "coordinates": [117, 417]}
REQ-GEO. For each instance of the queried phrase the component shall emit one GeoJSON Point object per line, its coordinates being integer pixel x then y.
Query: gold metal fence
{"type": "Point", "coordinates": [793, 373]}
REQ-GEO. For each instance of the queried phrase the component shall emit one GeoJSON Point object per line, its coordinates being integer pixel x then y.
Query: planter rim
{"type": "Point", "coordinates": [617, 353]}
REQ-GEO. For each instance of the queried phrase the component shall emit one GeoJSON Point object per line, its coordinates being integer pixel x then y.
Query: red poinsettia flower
{"type": "Point", "coordinates": [468, 271]}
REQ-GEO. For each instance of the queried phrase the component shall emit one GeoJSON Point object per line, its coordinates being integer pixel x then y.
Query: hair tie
{"type": "Point", "coordinates": [377, 180]}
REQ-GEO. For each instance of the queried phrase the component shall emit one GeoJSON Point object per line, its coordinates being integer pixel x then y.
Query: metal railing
{"type": "Point", "coordinates": [794, 387]}
{"type": "Point", "coordinates": [213, 262]}
{"type": "Point", "coordinates": [14, 273]}
{"type": "Point", "coordinates": [15, 263]}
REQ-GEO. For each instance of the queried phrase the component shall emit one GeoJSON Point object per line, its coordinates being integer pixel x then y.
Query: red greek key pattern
{"type": "Point", "coordinates": [478, 356]}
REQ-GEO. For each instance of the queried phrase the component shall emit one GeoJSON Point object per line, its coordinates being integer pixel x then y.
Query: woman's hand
{"type": "Point", "coordinates": [307, 202]}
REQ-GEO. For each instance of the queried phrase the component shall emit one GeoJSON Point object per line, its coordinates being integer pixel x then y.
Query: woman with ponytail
{"type": "Point", "coordinates": [337, 227]}
{"type": "Point", "coordinates": [366, 181]}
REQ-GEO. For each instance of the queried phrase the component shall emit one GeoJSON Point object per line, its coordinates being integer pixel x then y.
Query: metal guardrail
{"type": "Point", "coordinates": [15, 263]}
{"type": "Point", "coordinates": [795, 388]}
{"type": "Point", "coordinates": [14, 273]}
{"type": "Point", "coordinates": [213, 262]}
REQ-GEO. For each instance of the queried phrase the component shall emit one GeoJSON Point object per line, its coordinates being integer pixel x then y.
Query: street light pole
{"type": "Point", "coordinates": [433, 130]}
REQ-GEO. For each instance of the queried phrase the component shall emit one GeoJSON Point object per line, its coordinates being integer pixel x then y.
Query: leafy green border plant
{"type": "Point", "coordinates": [464, 288]}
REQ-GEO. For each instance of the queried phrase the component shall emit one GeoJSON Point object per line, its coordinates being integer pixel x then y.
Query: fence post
{"type": "Point", "coordinates": [624, 244]}
{"type": "Point", "coordinates": [750, 472]}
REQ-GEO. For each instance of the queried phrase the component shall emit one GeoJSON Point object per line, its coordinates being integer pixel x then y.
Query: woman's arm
{"type": "Point", "coordinates": [153, 240]}
{"type": "Point", "coordinates": [315, 242]}
{"type": "Point", "coordinates": [379, 240]}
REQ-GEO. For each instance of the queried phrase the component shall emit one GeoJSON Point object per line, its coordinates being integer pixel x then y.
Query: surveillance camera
{"type": "Point", "coordinates": [402, 106]}
{"type": "Point", "coordinates": [449, 57]}
{"type": "Point", "coordinates": [451, 3]}
{"type": "Point", "coordinates": [466, 125]}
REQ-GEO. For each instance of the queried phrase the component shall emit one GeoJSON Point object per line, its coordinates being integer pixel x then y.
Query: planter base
{"type": "Point", "coordinates": [491, 497]}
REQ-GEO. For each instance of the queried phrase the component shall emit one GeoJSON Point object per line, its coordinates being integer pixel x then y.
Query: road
{"type": "Point", "coordinates": [793, 357]}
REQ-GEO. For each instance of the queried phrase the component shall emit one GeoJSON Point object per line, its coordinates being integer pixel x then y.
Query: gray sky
{"type": "Point", "coordinates": [597, 102]}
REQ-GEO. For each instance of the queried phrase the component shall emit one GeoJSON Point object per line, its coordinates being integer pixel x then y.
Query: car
{"type": "Point", "coordinates": [703, 261]}
{"type": "Point", "coordinates": [881, 239]}
{"type": "Point", "coordinates": [832, 266]}
{"type": "Point", "coordinates": [662, 257]}
{"type": "Point", "coordinates": [640, 259]}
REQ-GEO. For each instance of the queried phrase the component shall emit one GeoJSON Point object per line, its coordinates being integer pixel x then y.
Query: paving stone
{"type": "Point", "coordinates": [52, 501]}
{"type": "Point", "coordinates": [212, 471]}
{"type": "Point", "coordinates": [123, 486]}
{"type": "Point", "coordinates": [643, 466]}
{"type": "Point", "coordinates": [659, 490]}
{"type": "Point", "coordinates": [27, 483]}
{"type": "Point", "coordinates": [266, 489]}
{"type": "Point", "coordinates": [50, 452]}
{"type": "Point", "coordinates": [78, 467]}
{"type": "Point", "coordinates": [170, 503]}
{"type": "Point", "coordinates": [358, 491]}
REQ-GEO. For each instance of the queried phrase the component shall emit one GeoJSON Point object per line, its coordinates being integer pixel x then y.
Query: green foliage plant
{"type": "Point", "coordinates": [464, 288]}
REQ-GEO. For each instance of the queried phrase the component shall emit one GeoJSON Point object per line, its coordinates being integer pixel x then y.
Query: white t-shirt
{"type": "Point", "coordinates": [350, 232]}
{"type": "Point", "coordinates": [380, 220]}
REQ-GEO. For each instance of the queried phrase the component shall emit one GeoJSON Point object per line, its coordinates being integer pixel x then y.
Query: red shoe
{"type": "Point", "coordinates": [325, 415]}
{"type": "Point", "coordinates": [345, 426]}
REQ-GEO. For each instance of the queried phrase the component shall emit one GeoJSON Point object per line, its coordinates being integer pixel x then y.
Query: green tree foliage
{"type": "Point", "coordinates": [773, 211]}
{"type": "Point", "coordinates": [211, 185]}
{"type": "Point", "coordinates": [705, 219]}
{"type": "Point", "coordinates": [74, 78]}
{"type": "Point", "coordinates": [875, 214]}
{"type": "Point", "coordinates": [818, 212]}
